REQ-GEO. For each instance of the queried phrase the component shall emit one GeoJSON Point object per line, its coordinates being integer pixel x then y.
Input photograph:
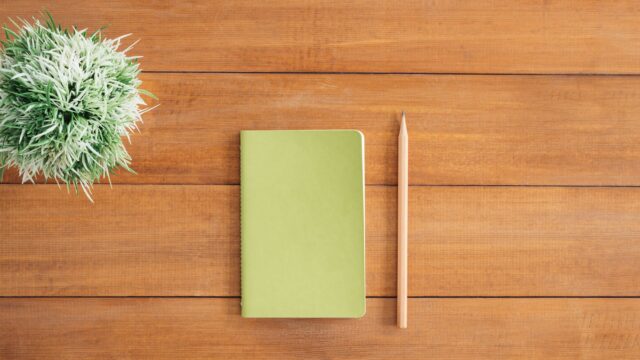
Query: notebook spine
{"type": "Point", "coordinates": [241, 222]}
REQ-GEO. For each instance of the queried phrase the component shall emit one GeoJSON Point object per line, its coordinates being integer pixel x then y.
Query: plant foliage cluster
{"type": "Point", "coordinates": [67, 99]}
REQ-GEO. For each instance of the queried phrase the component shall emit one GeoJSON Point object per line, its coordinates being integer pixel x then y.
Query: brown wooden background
{"type": "Point", "coordinates": [524, 119]}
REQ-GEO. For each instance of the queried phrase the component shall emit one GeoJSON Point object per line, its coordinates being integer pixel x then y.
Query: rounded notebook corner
{"type": "Point", "coordinates": [359, 134]}
{"type": "Point", "coordinates": [362, 313]}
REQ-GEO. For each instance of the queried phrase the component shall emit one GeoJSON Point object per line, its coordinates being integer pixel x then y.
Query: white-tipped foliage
{"type": "Point", "coordinates": [66, 100]}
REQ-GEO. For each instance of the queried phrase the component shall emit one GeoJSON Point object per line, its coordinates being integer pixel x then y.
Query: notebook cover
{"type": "Point", "coordinates": [302, 223]}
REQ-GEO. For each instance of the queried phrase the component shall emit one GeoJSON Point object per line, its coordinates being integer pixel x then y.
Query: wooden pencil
{"type": "Point", "coordinates": [403, 222]}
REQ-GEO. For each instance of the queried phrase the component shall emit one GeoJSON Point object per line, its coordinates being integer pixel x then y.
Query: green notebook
{"type": "Point", "coordinates": [302, 223]}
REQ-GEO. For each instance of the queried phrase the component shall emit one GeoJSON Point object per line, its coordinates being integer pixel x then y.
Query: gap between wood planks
{"type": "Point", "coordinates": [368, 297]}
{"type": "Point", "coordinates": [383, 73]}
{"type": "Point", "coordinates": [62, 186]}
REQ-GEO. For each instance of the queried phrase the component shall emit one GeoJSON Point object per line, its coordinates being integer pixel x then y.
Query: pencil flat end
{"type": "Point", "coordinates": [402, 320]}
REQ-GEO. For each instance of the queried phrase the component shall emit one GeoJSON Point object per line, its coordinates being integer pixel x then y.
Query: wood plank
{"type": "Point", "coordinates": [212, 328]}
{"type": "Point", "coordinates": [150, 240]}
{"type": "Point", "coordinates": [184, 241]}
{"type": "Point", "coordinates": [514, 130]}
{"type": "Point", "coordinates": [522, 36]}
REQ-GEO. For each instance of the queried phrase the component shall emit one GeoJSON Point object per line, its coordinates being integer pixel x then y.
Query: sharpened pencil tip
{"type": "Point", "coordinates": [403, 124]}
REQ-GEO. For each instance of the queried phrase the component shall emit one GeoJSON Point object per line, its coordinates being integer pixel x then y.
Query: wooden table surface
{"type": "Point", "coordinates": [524, 119]}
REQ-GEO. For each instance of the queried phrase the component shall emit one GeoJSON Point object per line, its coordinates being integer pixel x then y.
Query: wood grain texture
{"type": "Point", "coordinates": [523, 36]}
{"type": "Point", "coordinates": [513, 130]}
{"type": "Point", "coordinates": [173, 229]}
{"type": "Point", "coordinates": [167, 240]}
{"type": "Point", "coordinates": [212, 328]}
{"type": "Point", "coordinates": [184, 241]}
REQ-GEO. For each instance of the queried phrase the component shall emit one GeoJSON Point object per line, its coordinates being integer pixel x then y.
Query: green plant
{"type": "Point", "coordinates": [67, 98]}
